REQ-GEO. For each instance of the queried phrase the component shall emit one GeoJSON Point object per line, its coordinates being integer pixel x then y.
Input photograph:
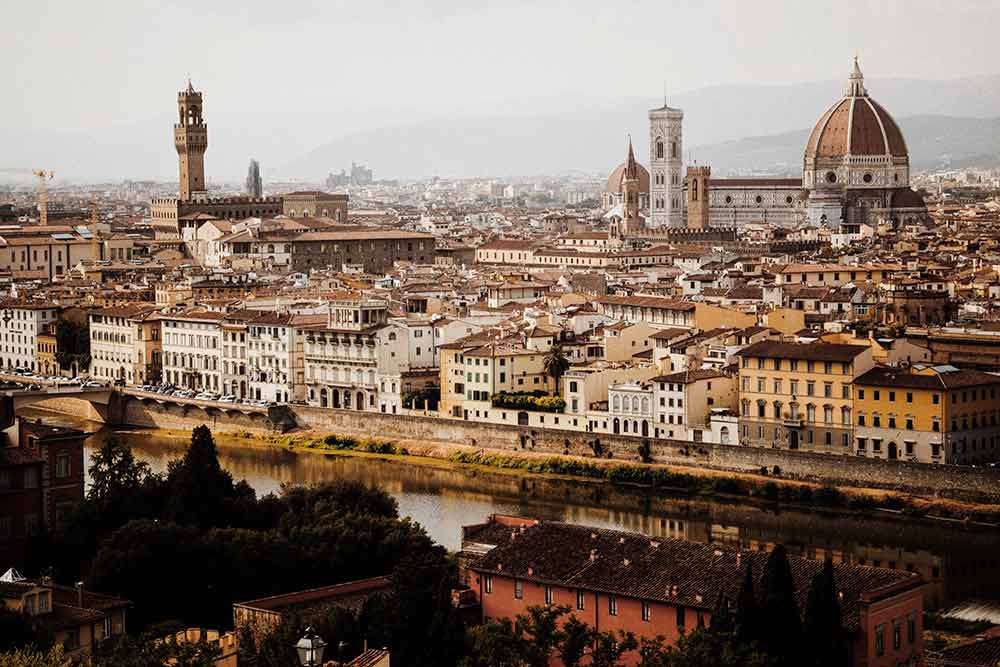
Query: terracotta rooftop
{"type": "Point", "coordinates": [665, 570]}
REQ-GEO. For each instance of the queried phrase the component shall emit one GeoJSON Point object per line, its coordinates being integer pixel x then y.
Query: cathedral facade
{"type": "Point", "coordinates": [855, 170]}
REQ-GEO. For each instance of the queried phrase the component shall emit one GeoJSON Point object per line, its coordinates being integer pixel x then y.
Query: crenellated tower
{"type": "Point", "coordinates": [191, 141]}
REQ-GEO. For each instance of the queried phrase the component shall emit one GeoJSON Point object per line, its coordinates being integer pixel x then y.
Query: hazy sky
{"type": "Point", "coordinates": [74, 65]}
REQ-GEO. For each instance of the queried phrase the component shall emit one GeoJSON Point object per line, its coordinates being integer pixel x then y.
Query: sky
{"type": "Point", "coordinates": [98, 65]}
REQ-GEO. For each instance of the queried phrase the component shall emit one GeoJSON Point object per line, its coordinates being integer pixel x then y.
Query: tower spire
{"type": "Point", "coordinates": [631, 168]}
{"type": "Point", "coordinates": [856, 81]}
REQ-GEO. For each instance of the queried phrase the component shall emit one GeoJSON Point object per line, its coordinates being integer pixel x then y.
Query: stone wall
{"type": "Point", "coordinates": [951, 481]}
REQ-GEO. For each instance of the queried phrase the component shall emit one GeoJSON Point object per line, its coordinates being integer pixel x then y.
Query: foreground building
{"type": "Point", "coordinates": [615, 580]}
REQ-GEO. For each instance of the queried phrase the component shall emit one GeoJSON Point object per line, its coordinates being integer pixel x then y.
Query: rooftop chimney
{"type": "Point", "coordinates": [79, 593]}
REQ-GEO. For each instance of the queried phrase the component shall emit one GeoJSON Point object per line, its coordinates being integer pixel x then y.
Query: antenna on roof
{"type": "Point", "coordinates": [664, 92]}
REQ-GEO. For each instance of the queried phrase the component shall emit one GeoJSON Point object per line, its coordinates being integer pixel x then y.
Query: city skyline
{"type": "Point", "coordinates": [408, 74]}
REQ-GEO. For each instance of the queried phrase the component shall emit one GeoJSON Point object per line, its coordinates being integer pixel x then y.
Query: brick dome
{"type": "Point", "coordinates": [856, 125]}
{"type": "Point", "coordinates": [615, 179]}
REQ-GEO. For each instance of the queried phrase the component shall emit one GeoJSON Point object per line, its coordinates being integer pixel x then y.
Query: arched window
{"type": "Point", "coordinates": [811, 412]}
{"type": "Point", "coordinates": [617, 403]}
{"type": "Point", "coordinates": [645, 405]}
{"type": "Point", "coordinates": [694, 189]}
{"type": "Point", "coordinates": [673, 149]}
{"type": "Point", "coordinates": [659, 147]}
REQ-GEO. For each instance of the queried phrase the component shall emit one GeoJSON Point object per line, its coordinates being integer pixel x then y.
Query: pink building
{"type": "Point", "coordinates": [614, 580]}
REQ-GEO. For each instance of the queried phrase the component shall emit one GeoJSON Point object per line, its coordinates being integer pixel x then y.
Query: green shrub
{"type": "Point", "coordinates": [535, 400]}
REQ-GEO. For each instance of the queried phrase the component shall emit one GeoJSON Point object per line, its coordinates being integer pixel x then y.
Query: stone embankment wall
{"type": "Point", "coordinates": [948, 481]}
{"type": "Point", "coordinates": [951, 481]}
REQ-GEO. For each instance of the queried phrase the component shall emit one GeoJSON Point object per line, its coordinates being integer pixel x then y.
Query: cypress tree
{"type": "Point", "coordinates": [781, 635]}
{"type": "Point", "coordinates": [722, 620]}
{"type": "Point", "coordinates": [822, 628]}
{"type": "Point", "coordinates": [747, 613]}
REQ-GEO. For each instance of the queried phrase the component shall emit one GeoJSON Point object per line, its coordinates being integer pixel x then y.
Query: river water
{"type": "Point", "coordinates": [959, 563]}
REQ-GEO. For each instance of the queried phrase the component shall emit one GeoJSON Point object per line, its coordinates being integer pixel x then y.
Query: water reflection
{"type": "Point", "coordinates": [958, 563]}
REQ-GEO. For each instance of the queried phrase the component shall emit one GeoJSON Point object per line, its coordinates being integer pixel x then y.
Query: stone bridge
{"type": "Point", "coordinates": [105, 403]}
{"type": "Point", "coordinates": [273, 418]}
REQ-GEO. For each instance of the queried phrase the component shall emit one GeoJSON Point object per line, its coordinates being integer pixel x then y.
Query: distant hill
{"type": "Point", "coordinates": [933, 141]}
{"type": "Point", "coordinates": [737, 126]}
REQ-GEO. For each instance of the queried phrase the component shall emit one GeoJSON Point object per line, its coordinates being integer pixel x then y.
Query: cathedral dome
{"type": "Point", "coordinates": [615, 179]}
{"type": "Point", "coordinates": [856, 125]}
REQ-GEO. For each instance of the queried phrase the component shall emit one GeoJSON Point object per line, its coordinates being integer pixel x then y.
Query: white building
{"type": "Point", "coordinates": [20, 324]}
{"type": "Point", "coordinates": [192, 349]}
{"type": "Point", "coordinates": [274, 359]}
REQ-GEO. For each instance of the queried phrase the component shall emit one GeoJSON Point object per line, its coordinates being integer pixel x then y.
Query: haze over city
{"type": "Point", "coordinates": [445, 88]}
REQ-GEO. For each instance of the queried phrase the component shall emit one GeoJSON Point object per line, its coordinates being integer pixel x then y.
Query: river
{"type": "Point", "coordinates": [959, 563]}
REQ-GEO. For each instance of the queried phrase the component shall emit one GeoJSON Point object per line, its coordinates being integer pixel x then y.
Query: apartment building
{"type": "Point", "coordinates": [21, 323]}
{"type": "Point", "coordinates": [343, 355]}
{"type": "Point", "coordinates": [930, 414]}
{"type": "Point", "coordinates": [800, 395]}
{"type": "Point", "coordinates": [192, 349]}
{"type": "Point", "coordinates": [683, 401]}
{"type": "Point", "coordinates": [656, 310]}
{"type": "Point", "coordinates": [275, 366]}
{"type": "Point", "coordinates": [234, 353]}
{"type": "Point", "coordinates": [125, 344]}
{"type": "Point", "coordinates": [833, 275]}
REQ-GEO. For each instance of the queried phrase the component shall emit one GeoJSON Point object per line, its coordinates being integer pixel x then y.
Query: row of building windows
{"type": "Point", "coordinates": [777, 386]}
{"type": "Point", "coordinates": [581, 602]}
{"type": "Point", "coordinates": [793, 365]}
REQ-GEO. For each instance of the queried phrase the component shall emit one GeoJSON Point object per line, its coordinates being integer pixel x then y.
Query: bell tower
{"type": "Point", "coordinates": [191, 141]}
{"type": "Point", "coordinates": [631, 220]}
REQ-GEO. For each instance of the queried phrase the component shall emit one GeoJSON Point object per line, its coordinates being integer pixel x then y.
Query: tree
{"type": "Point", "coordinates": [781, 635]}
{"type": "Point", "coordinates": [150, 650]}
{"type": "Point", "coordinates": [199, 487]}
{"type": "Point", "coordinates": [576, 639]}
{"type": "Point", "coordinates": [72, 344]}
{"type": "Point", "coordinates": [115, 473]}
{"type": "Point", "coordinates": [18, 631]}
{"type": "Point", "coordinates": [555, 363]}
{"type": "Point", "coordinates": [722, 618]}
{"type": "Point", "coordinates": [822, 629]}
{"type": "Point", "coordinates": [747, 626]}
{"type": "Point", "coordinates": [30, 657]}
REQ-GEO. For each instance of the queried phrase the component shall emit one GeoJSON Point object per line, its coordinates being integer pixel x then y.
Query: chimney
{"type": "Point", "coordinates": [79, 594]}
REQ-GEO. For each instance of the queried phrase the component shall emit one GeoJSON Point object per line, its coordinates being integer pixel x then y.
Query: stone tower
{"type": "Point", "coordinates": [191, 141]}
{"type": "Point", "coordinates": [698, 179]}
{"type": "Point", "coordinates": [666, 167]}
{"type": "Point", "coordinates": [631, 221]}
{"type": "Point", "coordinates": [254, 186]}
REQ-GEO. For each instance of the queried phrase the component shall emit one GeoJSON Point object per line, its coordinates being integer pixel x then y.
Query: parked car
{"type": "Point", "coordinates": [91, 384]}
{"type": "Point", "coordinates": [228, 398]}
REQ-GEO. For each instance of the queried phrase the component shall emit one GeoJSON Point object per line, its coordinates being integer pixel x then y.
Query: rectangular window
{"type": "Point", "coordinates": [62, 464]}
{"type": "Point", "coordinates": [612, 605]}
{"type": "Point", "coordinates": [518, 589]}
{"type": "Point", "coordinates": [581, 601]}
{"type": "Point", "coordinates": [897, 636]}
{"type": "Point", "coordinates": [877, 395]}
{"type": "Point", "coordinates": [880, 640]}
{"type": "Point", "coordinates": [488, 583]}
{"type": "Point", "coordinates": [645, 611]}
{"type": "Point", "coordinates": [680, 617]}
{"type": "Point", "coordinates": [909, 397]}
{"type": "Point", "coordinates": [548, 595]}
{"type": "Point", "coordinates": [911, 629]}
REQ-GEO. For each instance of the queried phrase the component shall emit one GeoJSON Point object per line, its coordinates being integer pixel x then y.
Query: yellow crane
{"type": "Point", "coordinates": [43, 194]}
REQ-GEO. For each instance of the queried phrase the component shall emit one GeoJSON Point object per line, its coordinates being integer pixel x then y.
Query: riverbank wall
{"type": "Point", "coordinates": [959, 482]}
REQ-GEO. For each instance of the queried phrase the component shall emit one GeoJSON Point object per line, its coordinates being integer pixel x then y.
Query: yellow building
{"type": "Point", "coordinates": [475, 368]}
{"type": "Point", "coordinates": [46, 351]}
{"type": "Point", "coordinates": [931, 414]}
{"type": "Point", "coordinates": [799, 395]}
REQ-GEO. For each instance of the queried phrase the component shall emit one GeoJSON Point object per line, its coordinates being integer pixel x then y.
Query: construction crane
{"type": "Point", "coordinates": [43, 194]}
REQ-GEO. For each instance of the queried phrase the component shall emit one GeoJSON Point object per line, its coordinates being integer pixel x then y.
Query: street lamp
{"type": "Point", "coordinates": [310, 649]}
